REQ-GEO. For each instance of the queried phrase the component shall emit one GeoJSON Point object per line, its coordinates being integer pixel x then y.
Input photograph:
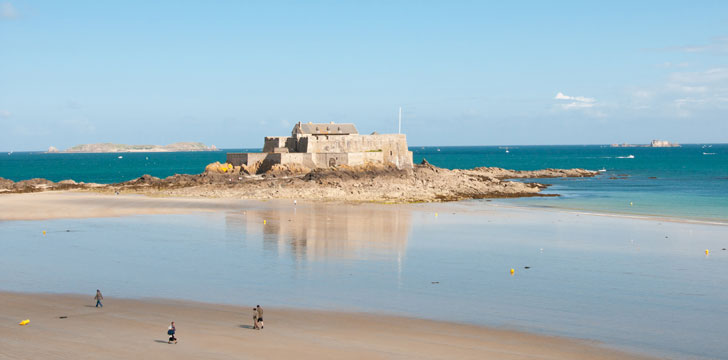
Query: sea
{"type": "Point", "coordinates": [688, 182]}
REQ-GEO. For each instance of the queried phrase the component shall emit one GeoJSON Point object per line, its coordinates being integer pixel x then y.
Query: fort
{"type": "Point", "coordinates": [320, 145]}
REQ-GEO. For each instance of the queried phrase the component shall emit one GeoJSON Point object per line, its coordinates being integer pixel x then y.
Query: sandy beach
{"type": "Point", "coordinates": [126, 329]}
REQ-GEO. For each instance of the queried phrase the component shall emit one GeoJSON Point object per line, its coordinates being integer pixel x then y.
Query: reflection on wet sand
{"type": "Point", "coordinates": [318, 231]}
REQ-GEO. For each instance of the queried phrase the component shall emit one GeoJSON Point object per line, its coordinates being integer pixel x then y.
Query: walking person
{"type": "Point", "coordinates": [171, 331]}
{"type": "Point", "coordinates": [255, 319]}
{"type": "Point", "coordinates": [98, 298]}
{"type": "Point", "coordinates": [259, 310]}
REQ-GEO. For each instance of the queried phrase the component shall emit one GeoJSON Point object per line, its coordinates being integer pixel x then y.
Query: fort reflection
{"type": "Point", "coordinates": [315, 232]}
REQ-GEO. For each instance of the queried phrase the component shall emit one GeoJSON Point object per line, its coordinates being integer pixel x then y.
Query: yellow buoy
{"type": "Point", "coordinates": [24, 322]}
{"type": "Point", "coordinates": [513, 271]}
{"type": "Point", "coordinates": [630, 203]}
{"type": "Point", "coordinates": [707, 252]}
{"type": "Point", "coordinates": [43, 232]}
{"type": "Point", "coordinates": [264, 222]}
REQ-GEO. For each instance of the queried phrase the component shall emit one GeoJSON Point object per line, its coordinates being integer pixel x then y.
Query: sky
{"type": "Point", "coordinates": [228, 73]}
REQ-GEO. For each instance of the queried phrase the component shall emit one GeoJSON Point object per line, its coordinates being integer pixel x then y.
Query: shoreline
{"type": "Point", "coordinates": [80, 204]}
{"type": "Point", "coordinates": [128, 327]}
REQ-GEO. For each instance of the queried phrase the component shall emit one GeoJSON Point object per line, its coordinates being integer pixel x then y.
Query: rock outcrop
{"type": "Point", "coordinates": [370, 182]}
{"type": "Point", "coordinates": [33, 185]}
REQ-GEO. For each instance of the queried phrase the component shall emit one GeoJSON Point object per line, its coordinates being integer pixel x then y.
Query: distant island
{"type": "Point", "coordinates": [114, 148]}
{"type": "Point", "coordinates": [654, 143]}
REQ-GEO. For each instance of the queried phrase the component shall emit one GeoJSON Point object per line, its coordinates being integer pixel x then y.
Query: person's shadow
{"type": "Point", "coordinates": [161, 341]}
{"type": "Point", "coordinates": [249, 327]}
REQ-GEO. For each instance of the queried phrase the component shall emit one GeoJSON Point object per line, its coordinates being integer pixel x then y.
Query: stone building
{"type": "Point", "coordinates": [324, 145]}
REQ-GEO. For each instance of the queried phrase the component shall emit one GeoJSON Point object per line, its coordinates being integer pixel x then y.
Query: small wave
{"type": "Point", "coordinates": [705, 153]}
{"type": "Point", "coordinates": [626, 157]}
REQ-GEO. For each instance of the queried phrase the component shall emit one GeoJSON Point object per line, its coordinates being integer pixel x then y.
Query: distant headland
{"type": "Point", "coordinates": [115, 148]}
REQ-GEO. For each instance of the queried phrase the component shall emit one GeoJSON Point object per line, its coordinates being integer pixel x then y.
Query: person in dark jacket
{"type": "Point", "coordinates": [98, 298]}
{"type": "Point", "coordinates": [171, 331]}
{"type": "Point", "coordinates": [259, 310]}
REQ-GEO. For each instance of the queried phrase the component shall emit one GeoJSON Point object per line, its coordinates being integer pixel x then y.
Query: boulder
{"type": "Point", "coordinates": [219, 168]}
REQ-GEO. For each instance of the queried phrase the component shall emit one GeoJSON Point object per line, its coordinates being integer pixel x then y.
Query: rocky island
{"type": "Point", "coordinates": [326, 162]}
{"type": "Point", "coordinates": [114, 148]}
{"type": "Point", "coordinates": [653, 143]}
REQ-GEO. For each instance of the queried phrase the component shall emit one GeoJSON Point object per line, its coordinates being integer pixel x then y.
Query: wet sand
{"type": "Point", "coordinates": [77, 204]}
{"type": "Point", "coordinates": [126, 329]}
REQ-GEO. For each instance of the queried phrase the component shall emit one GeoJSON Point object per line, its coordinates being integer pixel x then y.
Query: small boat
{"type": "Point", "coordinates": [120, 157]}
{"type": "Point", "coordinates": [507, 151]}
{"type": "Point", "coordinates": [438, 149]}
{"type": "Point", "coordinates": [602, 170]}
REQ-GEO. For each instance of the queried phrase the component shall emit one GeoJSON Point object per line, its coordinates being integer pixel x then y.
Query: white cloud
{"type": "Point", "coordinates": [577, 105]}
{"type": "Point", "coordinates": [690, 93]}
{"type": "Point", "coordinates": [576, 102]}
{"type": "Point", "coordinates": [561, 96]}
{"type": "Point", "coordinates": [5, 114]}
{"type": "Point", "coordinates": [7, 11]}
{"type": "Point", "coordinates": [685, 94]}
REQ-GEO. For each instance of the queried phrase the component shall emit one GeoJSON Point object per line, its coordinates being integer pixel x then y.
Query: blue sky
{"type": "Point", "coordinates": [466, 73]}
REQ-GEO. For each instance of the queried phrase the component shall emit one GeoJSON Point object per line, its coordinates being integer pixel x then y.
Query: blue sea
{"type": "Point", "coordinates": [686, 182]}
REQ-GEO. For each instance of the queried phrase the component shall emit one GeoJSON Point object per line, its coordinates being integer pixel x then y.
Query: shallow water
{"type": "Point", "coordinates": [637, 284]}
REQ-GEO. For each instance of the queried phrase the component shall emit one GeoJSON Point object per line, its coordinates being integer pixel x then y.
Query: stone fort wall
{"type": "Point", "coordinates": [330, 150]}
